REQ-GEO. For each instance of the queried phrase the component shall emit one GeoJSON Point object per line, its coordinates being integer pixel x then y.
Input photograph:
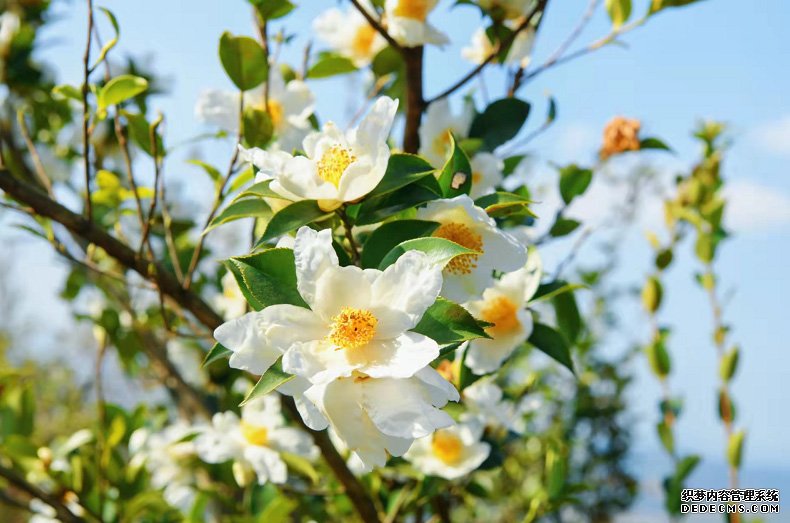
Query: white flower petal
{"type": "Point", "coordinates": [267, 464]}
{"type": "Point", "coordinates": [400, 357]}
{"type": "Point", "coordinates": [318, 361]}
{"type": "Point", "coordinates": [314, 255]}
{"type": "Point", "coordinates": [246, 337]}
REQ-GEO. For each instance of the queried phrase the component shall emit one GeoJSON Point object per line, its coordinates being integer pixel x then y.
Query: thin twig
{"type": "Point", "coordinates": [349, 235]}
{"type": "Point", "coordinates": [18, 481]}
{"type": "Point", "coordinates": [101, 412]}
{"type": "Point", "coordinates": [86, 114]}
{"type": "Point", "coordinates": [377, 26]}
{"type": "Point", "coordinates": [31, 148]}
{"type": "Point", "coordinates": [154, 145]}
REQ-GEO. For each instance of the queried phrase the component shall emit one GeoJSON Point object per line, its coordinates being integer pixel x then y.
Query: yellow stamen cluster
{"type": "Point", "coordinates": [363, 40]}
{"type": "Point", "coordinates": [353, 328]}
{"type": "Point", "coordinates": [276, 113]}
{"type": "Point", "coordinates": [466, 237]}
{"type": "Point", "coordinates": [447, 447]}
{"type": "Point", "coordinates": [334, 162]}
{"type": "Point", "coordinates": [254, 434]}
{"type": "Point", "coordinates": [414, 9]}
{"type": "Point", "coordinates": [501, 311]}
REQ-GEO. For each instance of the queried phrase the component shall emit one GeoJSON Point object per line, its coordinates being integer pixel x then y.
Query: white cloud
{"type": "Point", "coordinates": [773, 136]}
{"type": "Point", "coordinates": [752, 207]}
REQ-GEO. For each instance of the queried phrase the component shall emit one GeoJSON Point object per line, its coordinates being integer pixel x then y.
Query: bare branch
{"type": "Point", "coordinates": [86, 71]}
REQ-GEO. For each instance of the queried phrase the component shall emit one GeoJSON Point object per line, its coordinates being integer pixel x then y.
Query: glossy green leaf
{"type": "Point", "coordinates": [273, 9]}
{"type": "Point", "coordinates": [456, 176]}
{"type": "Point", "coordinates": [109, 44]}
{"type": "Point", "coordinates": [574, 181]}
{"type": "Point", "coordinates": [446, 322]}
{"type": "Point", "coordinates": [653, 143]}
{"type": "Point", "coordinates": [552, 343]}
{"type": "Point", "coordinates": [501, 121]}
{"type": "Point", "coordinates": [260, 190]}
{"type": "Point", "coordinates": [217, 352]}
{"type": "Point", "coordinates": [244, 60]}
{"type": "Point", "coordinates": [119, 89]}
{"type": "Point", "coordinates": [257, 126]}
{"type": "Point", "coordinates": [505, 204]}
{"type": "Point", "coordinates": [239, 209]}
{"type": "Point", "coordinates": [331, 64]}
{"type": "Point", "coordinates": [416, 193]}
{"type": "Point", "coordinates": [619, 11]}
{"type": "Point", "coordinates": [291, 218]}
{"type": "Point", "coordinates": [267, 278]}
{"type": "Point", "coordinates": [729, 364]}
{"type": "Point", "coordinates": [271, 379]}
{"type": "Point", "coordinates": [140, 132]}
{"type": "Point", "coordinates": [402, 169]}
{"type": "Point", "coordinates": [389, 235]}
{"type": "Point", "coordinates": [563, 227]}
{"type": "Point", "coordinates": [439, 250]}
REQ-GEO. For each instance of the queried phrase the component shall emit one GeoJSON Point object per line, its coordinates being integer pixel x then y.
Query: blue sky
{"type": "Point", "coordinates": [718, 59]}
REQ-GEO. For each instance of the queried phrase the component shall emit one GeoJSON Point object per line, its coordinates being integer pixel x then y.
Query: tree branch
{"type": "Point", "coordinates": [377, 26]}
{"type": "Point", "coordinates": [18, 481]}
{"type": "Point", "coordinates": [415, 103]}
{"type": "Point", "coordinates": [86, 144]}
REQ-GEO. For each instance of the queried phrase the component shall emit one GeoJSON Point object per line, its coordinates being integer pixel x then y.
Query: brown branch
{"type": "Point", "coordinates": [377, 26]}
{"type": "Point", "coordinates": [503, 44]}
{"type": "Point", "coordinates": [86, 71]}
{"type": "Point", "coordinates": [152, 136]}
{"type": "Point", "coordinates": [86, 229]}
{"type": "Point", "coordinates": [18, 481]}
{"type": "Point", "coordinates": [354, 489]}
{"type": "Point", "coordinates": [341, 212]}
{"type": "Point", "coordinates": [415, 103]}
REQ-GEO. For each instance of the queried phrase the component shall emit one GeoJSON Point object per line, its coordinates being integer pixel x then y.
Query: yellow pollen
{"type": "Point", "coordinates": [415, 9]}
{"type": "Point", "coordinates": [501, 311]}
{"type": "Point", "coordinates": [254, 434]}
{"type": "Point", "coordinates": [353, 328]}
{"type": "Point", "coordinates": [334, 162]}
{"type": "Point", "coordinates": [276, 113]}
{"type": "Point", "coordinates": [466, 237]}
{"type": "Point", "coordinates": [447, 447]}
{"type": "Point", "coordinates": [445, 369]}
{"type": "Point", "coordinates": [476, 177]}
{"type": "Point", "coordinates": [441, 144]}
{"type": "Point", "coordinates": [363, 40]}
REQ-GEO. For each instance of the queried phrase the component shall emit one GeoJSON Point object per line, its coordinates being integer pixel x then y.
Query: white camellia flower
{"type": "Point", "coordinates": [231, 303]}
{"type": "Point", "coordinates": [254, 442]}
{"type": "Point", "coordinates": [350, 34]}
{"type": "Point", "coordinates": [188, 361]}
{"type": "Point", "coordinates": [339, 167]}
{"type": "Point", "coordinates": [437, 127]}
{"type": "Point", "coordinates": [290, 106]}
{"type": "Point", "coordinates": [376, 416]}
{"type": "Point", "coordinates": [480, 48]}
{"type": "Point", "coordinates": [407, 22]}
{"type": "Point", "coordinates": [166, 455]}
{"type": "Point", "coordinates": [485, 406]}
{"type": "Point", "coordinates": [9, 27]}
{"type": "Point", "coordinates": [466, 276]}
{"type": "Point", "coordinates": [486, 174]}
{"type": "Point", "coordinates": [450, 453]}
{"type": "Point", "coordinates": [503, 304]}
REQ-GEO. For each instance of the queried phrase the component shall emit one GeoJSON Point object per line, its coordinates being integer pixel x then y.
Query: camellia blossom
{"type": "Point", "coordinates": [231, 303]}
{"type": "Point", "coordinates": [254, 441]}
{"type": "Point", "coordinates": [290, 106]}
{"type": "Point", "coordinates": [503, 304]}
{"type": "Point", "coordinates": [350, 34]}
{"type": "Point", "coordinates": [359, 320]}
{"type": "Point", "coordinates": [461, 221]}
{"type": "Point", "coordinates": [188, 361]}
{"type": "Point", "coordinates": [339, 167]}
{"type": "Point", "coordinates": [407, 22]}
{"type": "Point", "coordinates": [437, 128]}
{"type": "Point", "coordinates": [373, 416]}
{"type": "Point", "coordinates": [450, 453]}
{"type": "Point", "coordinates": [480, 48]}
{"type": "Point", "coordinates": [486, 174]}
{"type": "Point", "coordinates": [485, 405]}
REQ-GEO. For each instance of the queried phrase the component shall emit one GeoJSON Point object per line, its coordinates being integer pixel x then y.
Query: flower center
{"type": "Point", "coordinates": [466, 237]}
{"type": "Point", "coordinates": [363, 40]}
{"type": "Point", "coordinates": [276, 113]}
{"type": "Point", "coordinates": [446, 371]}
{"type": "Point", "coordinates": [334, 162]}
{"type": "Point", "coordinates": [501, 311]}
{"type": "Point", "coordinates": [441, 144]}
{"type": "Point", "coordinates": [447, 447]}
{"type": "Point", "coordinates": [353, 328]}
{"type": "Point", "coordinates": [415, 9]}
{"type": "Point", "coordinates": [254, 434]}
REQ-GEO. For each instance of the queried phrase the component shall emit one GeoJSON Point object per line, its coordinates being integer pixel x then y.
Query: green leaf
{"type": "Point", "coordinates": [505, 204]}
{"type": "Point", "coordinates": [389, 235]}
{"type": "Point", "coordinates": [267, 278]}
{"type": "Point", "coordinates": [729, 364]}
{"type": "Point", "coordinates": [259, 190]}
{"type": "Point", "coordinates": [446, 322]}
{"type": "Point", "coordinates": [271, 379]}
{"type": "Point", "coordinates": [653, 143]}
{"type": "Point", "coordinates": [456, 176]}
{"type": "Point", "coordinates": [511, 163]}
{"type": "Point", "coordinates": [552, 343]}
{"type": "Point", "coordinates": [110, 43]}
{"type": "Point", "coordinates": [331, 64]}
{"type": "Point", "coordinates": [665, 435]}
{"type": "Point", "coordinates": [247, 208]}
{"type": "Point", "coordinates": [258, 128]}
{"type": "Point", "coordinates": [140, 131]}
{"type": "Point", "coordinates": [378, 209]}
{"type": "Point", "coordinates": [501, 121]}
{"type": "Point", "coordinates": [212, 171]}
{"type": "Point", "coordinates": [658, 5]}
{"type": "Point", "coordinates": [658, 357]}
{"type": "Point", "coordinates": [119, 89]}
{"type": "Point", "coordinates": [735, 448]}
{"type": "Point", "coordinates": [272, 10]}
{"type": "Point", "coordinates": [569, 320]}
{"type": "Point", "coordinates": [685, 467]}
{"type": "Point", "coordinates": [402, 169]}
{"type": "Point", "coordinates": [301, 466]}
{"type": "Point", "coordinates": [619, 11]}
{"type": "Point", "coordinates": [574, 180]}
{"type": "Point", "coordinates": [292, 217]}
{"type": "Point", "coordinates": [67, 91]}
{"type": "Point", "coordinates": [243, 60]}
{"type": "Point", "coordinates": [651, 294]}
{"type": "Point", "coordinates": [217, 352]}
{"type": "Point", "coordinates": [439, 250]}
{"type": "Point", "coordinates": [563, 227]}
{"type": "Point", "coordinates": [548, 291]}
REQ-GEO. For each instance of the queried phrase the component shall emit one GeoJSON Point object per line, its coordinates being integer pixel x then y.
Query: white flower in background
{"type": "Point", "coordinates": [485, 406]}
{"type": "Point", "coordinates": [350, 34]}
{"type": "Point", "coordinates": [290, 106]}
{"type": "Point", "coordinates": [188, 362]}
{"type": "Point", "coordinates": [231, 303]}
{"type": "Point", "coordinates": [437, 127]}
{"type": "Point", "coordinates": [376, 416]}
{"type": "Point", "coordinates": [480, 48]}
{"type": "Point", "coordinates": [450, 453]}
{"type": "Point", "coordinates": [9, 26]}
{"type": "Point", "coordinates": [339, 167]}
{"type": "Point", "coordinates": [407, 22]}
{"type": "Point", "coordinates": [254, 441]}
{"type": "Point", "coordinates": [486, 174]}
{"type": "Point", "coordinates": [43, 513]}
{"type": "Point", "coordinates": [508, 9]}
{"type": "Point", "coordinates": [503, 304]}
{"type": "Point", "coordinates": [166, 455]}
{"type": "Point", "coordinates": [466, 276]}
